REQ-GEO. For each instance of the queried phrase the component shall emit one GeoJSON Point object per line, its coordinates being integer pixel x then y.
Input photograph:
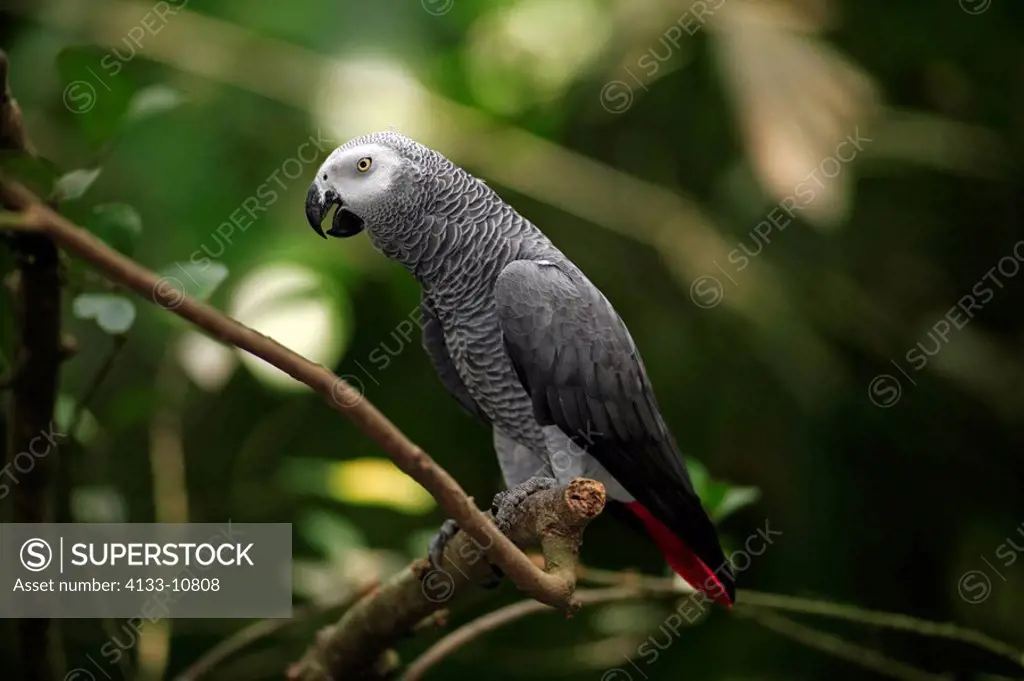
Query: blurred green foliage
{"type": "Point", "coordinates": [187, 139]}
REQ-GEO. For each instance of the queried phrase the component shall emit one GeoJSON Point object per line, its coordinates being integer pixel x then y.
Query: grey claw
{"type": "Point", "coordinates": [435, 549]}
{"type": "Point", "coordinates": [506, 503]}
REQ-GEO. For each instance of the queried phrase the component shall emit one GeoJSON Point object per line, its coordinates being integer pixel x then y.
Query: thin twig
{"type": "Point", "coordinates": [828, 609]}
{"type": "Point", "coordinates": [630, 578]}
{"type": "Point", "coordinates": [16, 221]}
{"type": "Point", "coordinates": [97, 380]}
{"type": "Point", "coordinates": [247, 636]}
{"type": "Point", "coordinates": [499, 618]}
{"type": "Point", "coordinates": [881, 619]}
{"type": "Point", "coordinates": [837, 647]}
{"type": "Point", "coordinates": [659, 587]}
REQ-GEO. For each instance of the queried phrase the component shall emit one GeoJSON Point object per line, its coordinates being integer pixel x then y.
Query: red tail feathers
{"type": "Point", "coordinates": [684, 561]}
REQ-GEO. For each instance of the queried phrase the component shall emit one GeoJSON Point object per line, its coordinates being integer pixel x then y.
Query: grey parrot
{"type": "Point", "coordinates": [524, 341]}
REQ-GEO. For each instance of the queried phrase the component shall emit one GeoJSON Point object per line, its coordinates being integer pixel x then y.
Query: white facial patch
{"type": "Point", "coordinates": [360, 175]}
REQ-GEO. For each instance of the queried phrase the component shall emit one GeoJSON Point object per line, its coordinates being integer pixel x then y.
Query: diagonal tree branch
{"type": "Point", "coordinates": [39, 218]}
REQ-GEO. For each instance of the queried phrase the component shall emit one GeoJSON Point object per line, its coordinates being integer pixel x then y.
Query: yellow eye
{"type": "Point", "coordinates": [363, 164]}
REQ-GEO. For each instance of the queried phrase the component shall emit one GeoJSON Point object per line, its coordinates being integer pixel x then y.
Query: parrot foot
{"type": "Point", "coordinates": [435, 552]}
{"type": "Point", "coordinates": [505, 504]}
{"type": "Point", "coordinates": [503, 508]}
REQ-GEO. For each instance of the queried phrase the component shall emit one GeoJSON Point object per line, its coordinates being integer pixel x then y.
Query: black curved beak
{"type": "Point", "coordinates": [345, 223]}
{"type": "Point", "coordinates": [317, 207]}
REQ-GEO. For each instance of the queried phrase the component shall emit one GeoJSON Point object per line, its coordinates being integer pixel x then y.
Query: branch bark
{"type": "Point", "coordinates": [37, 360]}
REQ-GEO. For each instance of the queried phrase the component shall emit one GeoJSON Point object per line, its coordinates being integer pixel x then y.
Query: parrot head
{"type": "Point", "coordinates": [377, 182]}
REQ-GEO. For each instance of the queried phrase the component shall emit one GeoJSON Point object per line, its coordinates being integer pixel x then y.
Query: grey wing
{"type": "Point", "coordinates": [437, 350]}
{"type": "Point", "coordinates": [576, 359]}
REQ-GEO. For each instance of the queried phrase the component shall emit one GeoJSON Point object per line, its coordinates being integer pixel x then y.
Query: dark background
{"type": "Point", "coordinates": [649, 155]}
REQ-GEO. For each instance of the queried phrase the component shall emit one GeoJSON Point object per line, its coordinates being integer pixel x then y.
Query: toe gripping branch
{"type": "Point", "coordinates": [536, 513]}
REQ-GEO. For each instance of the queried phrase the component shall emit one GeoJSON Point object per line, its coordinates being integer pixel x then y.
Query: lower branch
{"type": "Point", "coordinates": [835, 646]}
{"type": "Point", "coordinates": [884, 620]}
{"type": "Point", "coordinates": [358, 646]}
{"type": "Point", "coordinates": [263, 629]}
{"type": "Point", "coordinates": [763, 608]}
{"type": "Point", "coordinates": [499, 618]}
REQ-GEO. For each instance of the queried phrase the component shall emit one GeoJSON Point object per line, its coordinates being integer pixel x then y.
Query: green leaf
{"type": "Point", "coordinates": [118, 224]}
{"type": "Point", "coordinates": [736, 498]}
{"type": "Point", "coordinates": [151, 101]}
{"type": "Point", "coordinates": [113, 313]}
{"type": "Point", "coordinates": [719, 498]}
{"type": "Point", "coordinates": [714, 495]}
{"type": "Point", "coordinates": [87, 429]}
{"type": "Point", "coordinates": [195, 279]}
{"type": "Point", "coordinates": [74, 185]}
